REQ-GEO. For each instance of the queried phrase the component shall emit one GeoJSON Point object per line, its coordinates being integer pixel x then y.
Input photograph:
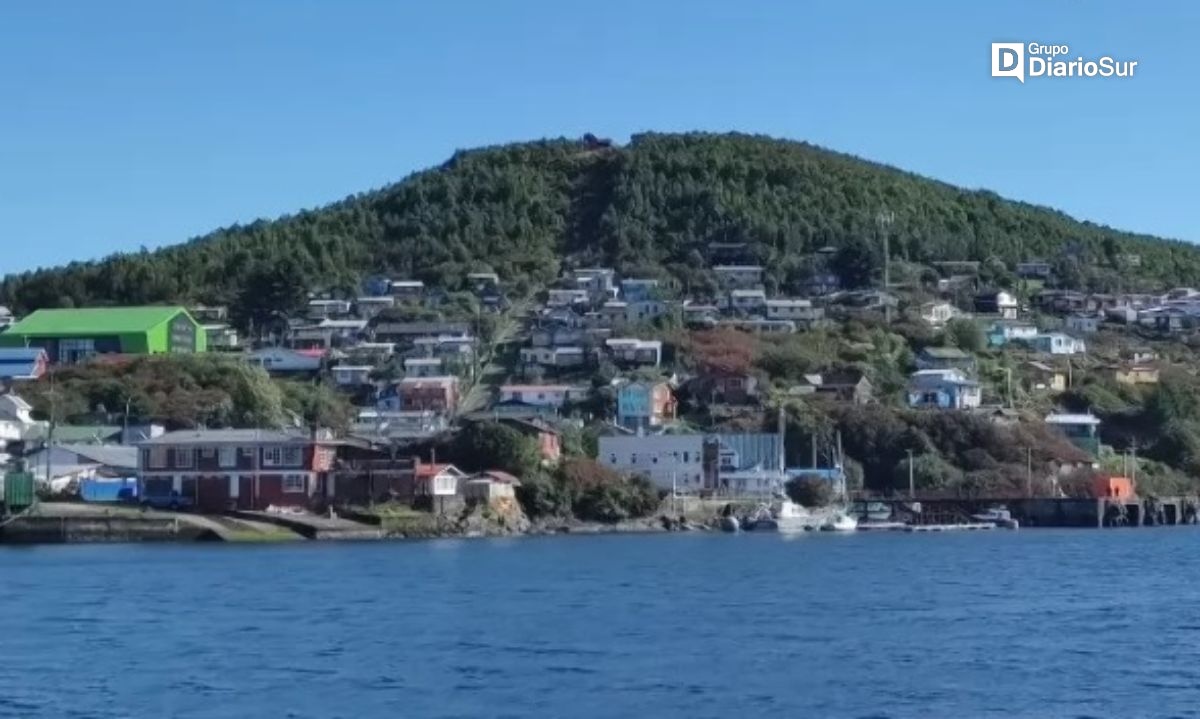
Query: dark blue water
{"type": "Point", "coordinates": [1027, 624]}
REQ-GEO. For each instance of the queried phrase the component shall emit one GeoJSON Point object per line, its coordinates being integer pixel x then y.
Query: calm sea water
{"type": "Point", "coordinates": [1026, 624]}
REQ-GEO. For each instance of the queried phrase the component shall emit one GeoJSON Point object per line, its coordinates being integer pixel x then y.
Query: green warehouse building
{"type": "Point", "coordinates": [71, 336]}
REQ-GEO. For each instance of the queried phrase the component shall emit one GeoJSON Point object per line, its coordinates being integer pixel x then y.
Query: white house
{"type": "Point", "coordinates": [1001, 333]}
{"type": "Point", "coordinates": [553, 356]}
{"type": "Point", "coordinates": [282, 360]}
{"type": "Point", "coordinates": [794, 309]}
{"type": "Point", "coordinates": [1057, 343]}
{"type": "Point", "coordinates": [747, 300]}
{"type": "Point", "coordinates": [668, 460]}
{"type": "Point", "coordinates": [997, 302]}
{"type": "Point", "coordinates": [937, 314]}
{"type": "Point", "coordinates": [352, 375]}
{"type": "Point", "coordinates": [364, 351]}
{"type": "Point", "coordinates": [437, 480]}
{"type": "Point", "coordinates": [398, 424]}
{"type": "Point", "coordinates": [629, 350]}
{"type": "Point", "coordinates": [368, 306]}
{"type": "Point", "coordinates": [597, 281]}
{"type": "Point", "coordinates": [321, 309]}
{"type": "Point", "coordinates": [738, 464]}
{"type": "Point", "coordinates": [221, 336]}
{"type": "Point", "coordinates": [567, 298]}
{"type": "Point", "coordinates": [542, 395]}
{"type": "Point", "coordinates": [326, 333]}
{"type": "Point", "coordinates": [739, 276]}
{"type": "Point", "coordinates": [16, 422]}
{"type": "Point", "coordinates": [406, 289]}
{"type": "Point", "coordinates": [759, 325]}
{"type": "Point", "coordinates": [423, 367]}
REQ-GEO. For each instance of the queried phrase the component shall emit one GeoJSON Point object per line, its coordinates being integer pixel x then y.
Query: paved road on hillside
{"type": "Point", "coordinates": [497, 361]}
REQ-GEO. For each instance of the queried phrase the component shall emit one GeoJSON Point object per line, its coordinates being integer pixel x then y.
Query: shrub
{"type": "Point", "coordinates": [809, 491]}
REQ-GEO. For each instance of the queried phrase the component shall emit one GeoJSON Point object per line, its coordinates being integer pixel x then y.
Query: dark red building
{"type": "Point", "coordinates": [216, 470]}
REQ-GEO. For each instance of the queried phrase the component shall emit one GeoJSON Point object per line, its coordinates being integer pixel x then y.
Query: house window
{"type": "Point", "coordinates": [281, 457]}
{"type": "Point", "coordinates": [685, 457]}
{"type": "Point", "coordinates": [184, 459]}
{"type": "Point", "coordinates": [295, 483]}
{"type": "Point", "coordinates": [227, 457]}
{"type": "Point", "coordinates": [157, 458]}
{"type": "Point", "coordinates": [71, 351]}
{"type": "Point", "coordinates": [208, 452]}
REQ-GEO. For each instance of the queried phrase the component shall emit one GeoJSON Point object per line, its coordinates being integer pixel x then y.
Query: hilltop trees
{"type": "Point", "coordinates": [658, 203]}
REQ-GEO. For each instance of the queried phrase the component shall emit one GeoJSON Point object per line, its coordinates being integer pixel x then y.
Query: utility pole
{"type": "Point", "coordinates": [912, 486]}
{"type": "Point", "coordinates": [884, 219]}
{"type": "Point", "coordinates": [1133, 463]}
{"type": "Point", "coordinates": [125, 422]}
{"type": "Point", "coordinates": [1029, 472]}
{"type": "Point", "coordinates": [1008, 372]}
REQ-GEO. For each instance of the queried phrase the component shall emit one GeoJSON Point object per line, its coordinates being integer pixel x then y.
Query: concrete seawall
{"type": "Point", "coordinates": [43, 530]}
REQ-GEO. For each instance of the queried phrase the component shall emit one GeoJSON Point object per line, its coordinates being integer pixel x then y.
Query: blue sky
{"type": "Point", "coordinates": [142, 123]}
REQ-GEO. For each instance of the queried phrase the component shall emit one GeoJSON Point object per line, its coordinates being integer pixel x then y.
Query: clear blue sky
{"type": "Point", "coordinates": [129, 124]}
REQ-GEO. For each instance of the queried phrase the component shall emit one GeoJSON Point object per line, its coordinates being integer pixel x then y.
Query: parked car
{"type": "Point", "coordinates": [173, 501]}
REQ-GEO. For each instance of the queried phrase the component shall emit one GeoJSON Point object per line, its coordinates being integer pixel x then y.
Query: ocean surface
{"type": "Point", "coordinates": [1025, 624]}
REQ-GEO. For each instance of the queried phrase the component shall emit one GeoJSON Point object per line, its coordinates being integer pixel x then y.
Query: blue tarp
{"type": "Point", "coordinates": [108, 490]}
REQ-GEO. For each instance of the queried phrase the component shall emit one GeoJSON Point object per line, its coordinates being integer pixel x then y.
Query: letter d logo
{"type": "Point", "coordinates": [1008, 60]}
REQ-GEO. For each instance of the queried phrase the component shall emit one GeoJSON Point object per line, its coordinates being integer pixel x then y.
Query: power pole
{"type": "Point", "coordinates": [884, 220]}
{"type": "Point", "coordinates": [1029, 472]}
{"type": "Point", "coordinates": [1133, 464]}
{"type": "Point", "coordinates": [912, 486]}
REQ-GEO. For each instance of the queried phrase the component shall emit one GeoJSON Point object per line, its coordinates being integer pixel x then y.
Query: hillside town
{"type": "Point", "coordinates": [695, 393]}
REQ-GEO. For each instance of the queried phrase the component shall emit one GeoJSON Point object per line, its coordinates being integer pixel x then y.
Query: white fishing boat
{"type": "Point", "coordinates": [840, 521]}
{"type": "Point", "coordinates": [791, 518]}
{"type": "Point", "coordinates": [999, 516]}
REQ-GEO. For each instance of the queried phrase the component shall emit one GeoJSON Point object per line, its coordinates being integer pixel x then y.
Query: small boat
{"type": "Point", "coordinates": [791, 518]}
{"type": "Point", "coordinates": [999, 516]}
{"type": "Point", "coordinates": [873, 511]}
{"type": "Point", "coordinates": [762, 520]}
{"type": "Point", "coordinates": [840, 522]}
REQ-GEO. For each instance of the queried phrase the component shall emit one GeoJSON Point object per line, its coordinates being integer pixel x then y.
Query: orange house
{"type": "Point", "coordinates": [1111, 487]}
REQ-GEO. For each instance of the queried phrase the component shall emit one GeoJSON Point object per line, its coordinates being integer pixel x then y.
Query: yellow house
{"type": "Point", "coordinates": [1044, 378]}
{"type": "Point", "coordinates": [1136, 374]}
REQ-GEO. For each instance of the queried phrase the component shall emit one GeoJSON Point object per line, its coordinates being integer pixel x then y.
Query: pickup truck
{"type": "Point", "coordinates": [173, 501]}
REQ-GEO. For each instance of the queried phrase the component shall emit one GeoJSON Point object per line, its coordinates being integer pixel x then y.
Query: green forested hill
{"type": "Point", "coordinates": [651, 206]}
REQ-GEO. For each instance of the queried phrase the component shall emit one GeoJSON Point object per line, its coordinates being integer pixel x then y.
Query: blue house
{"type": "Point", "coordinates": [943, 389]}
{"type": "Point", "coordinates": [639, 290]}
{"type": "Point", "coordinates": [645, 404]}
{"type": "Point", "coordinates": [22, 363]}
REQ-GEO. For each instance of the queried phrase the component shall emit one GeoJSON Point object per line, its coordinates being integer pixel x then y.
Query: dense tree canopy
{"type": "Point", "coordinates": [650, 207]}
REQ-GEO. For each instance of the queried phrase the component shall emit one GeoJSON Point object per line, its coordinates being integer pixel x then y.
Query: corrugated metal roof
{"type": "Point", "coordinates": [753, 449]}
{"type": "Point", "coordinates": [226, 436]}
{"type": "Point", "coordinates": [94, 321]}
